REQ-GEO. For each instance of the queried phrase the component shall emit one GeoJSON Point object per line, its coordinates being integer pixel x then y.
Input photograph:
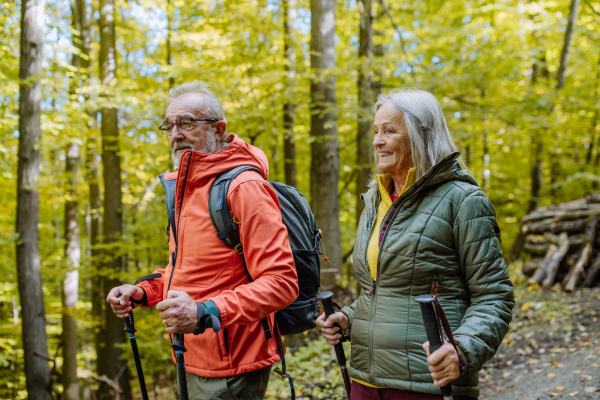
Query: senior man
{"type": "Point", "coordinates": [204, 275]}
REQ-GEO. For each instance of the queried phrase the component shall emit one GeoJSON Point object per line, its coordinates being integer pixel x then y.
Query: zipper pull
{"type": "Point", "coordinates": [173, 257]}
{"type": "Point", "coordinates": [373, 289]}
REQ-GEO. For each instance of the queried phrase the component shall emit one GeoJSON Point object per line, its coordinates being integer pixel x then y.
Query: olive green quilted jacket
{"type": "Point", "coordinates": [444, 231]}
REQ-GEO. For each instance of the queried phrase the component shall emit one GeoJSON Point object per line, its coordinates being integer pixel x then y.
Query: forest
{"type": "Point", "coordinates": [83, 89]}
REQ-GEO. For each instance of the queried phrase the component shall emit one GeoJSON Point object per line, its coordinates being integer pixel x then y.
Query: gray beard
{"type": "Point", "coordinates": [209, 147]}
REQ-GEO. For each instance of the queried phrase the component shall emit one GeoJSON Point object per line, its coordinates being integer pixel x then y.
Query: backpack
{"type": "Point", "coordinates": [304, 240]}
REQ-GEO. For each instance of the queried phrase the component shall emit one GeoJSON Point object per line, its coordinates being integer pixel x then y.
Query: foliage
{"type": "Point", "coordinates": [479, 59]}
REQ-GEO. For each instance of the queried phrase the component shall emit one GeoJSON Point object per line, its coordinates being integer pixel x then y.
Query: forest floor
{"type": "Point", "coordinates": [551, 351]}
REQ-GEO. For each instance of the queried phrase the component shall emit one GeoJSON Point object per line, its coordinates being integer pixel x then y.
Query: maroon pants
{"type": "Point", "coordinates": [362, 392]}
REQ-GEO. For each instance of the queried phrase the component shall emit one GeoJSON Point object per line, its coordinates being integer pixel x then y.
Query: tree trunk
{"type": "Point", "coordinates": [289, 108]}
{"type": "Point", "coordinates": [564, 55]}
{"type": "Point", "coordinates": [95, 234]}
{"type": "Point", "coordinates": [552, 267]}
{"type": "Point", "coordinates": [540, 273]}
{"type": "Point", "coordinates": [572, 277]}
{"type": "Point", "coordinates": [364, 139]}
{"type": "Point", "coordinates": [324, 170]}
{"type": "Point", "coordinates": [111, 329]}
{"type": "Point", "coordinates": [71, 281]}
{"type": "Point", "coordinates": [29, 276]}
{"type": "Point", "coordinates": [169, 56]}
{"type": "Point", "coordinates": [553, 226]}
{"type": "Point", "coordinates": [593, 273]}
{"type": "Point", "coordinates": [486, 149]}
{"type": "Point", "coordinates": [537, 170]}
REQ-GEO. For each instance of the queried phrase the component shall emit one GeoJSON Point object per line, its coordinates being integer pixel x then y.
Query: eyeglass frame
{"type": "Point", "coordinates": [167, 132]}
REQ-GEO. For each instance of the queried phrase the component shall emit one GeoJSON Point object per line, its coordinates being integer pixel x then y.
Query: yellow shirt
{"type": "Point", "coordinates": [385, 182]}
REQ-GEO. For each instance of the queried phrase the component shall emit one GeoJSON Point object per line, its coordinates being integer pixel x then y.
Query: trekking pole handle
{"type": "Point", "coordinates": [129, 326]}
{"type": "Point", "coordinates": [326, 299]}
{"type": "Point", "coordinates": [432, 329]}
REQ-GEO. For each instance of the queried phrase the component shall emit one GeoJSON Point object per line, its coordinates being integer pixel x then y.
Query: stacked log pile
{"type": "Point", "coordinates": [564, 244]}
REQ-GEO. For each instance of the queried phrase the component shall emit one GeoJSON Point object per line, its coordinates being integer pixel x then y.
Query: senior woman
{"type": "Point", "coordinates": [426, 227]}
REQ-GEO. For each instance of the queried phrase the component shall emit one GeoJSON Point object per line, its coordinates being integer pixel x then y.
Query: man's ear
{"type": "Point", "coordinates": [221, 129]}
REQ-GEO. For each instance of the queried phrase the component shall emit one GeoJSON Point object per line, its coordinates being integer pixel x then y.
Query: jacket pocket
{"type": "Point", "coordinates": [223, 339]}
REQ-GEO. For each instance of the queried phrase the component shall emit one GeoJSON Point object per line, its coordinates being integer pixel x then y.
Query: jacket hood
{"type": "Point", "coordinates": [448, 169]}
{"type": "Point", "coordinates": [206, 166]}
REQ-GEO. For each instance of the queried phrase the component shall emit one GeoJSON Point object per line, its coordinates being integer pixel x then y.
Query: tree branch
{"type": "Point", "coordinates": [397, 28]}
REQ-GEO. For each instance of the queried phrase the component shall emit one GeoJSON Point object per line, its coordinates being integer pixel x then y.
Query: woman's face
{"type": "Point", "coordinates": [391, 140]}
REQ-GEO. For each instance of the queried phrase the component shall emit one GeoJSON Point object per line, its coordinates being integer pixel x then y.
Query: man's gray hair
{"type": "Point", "coordinates": [212, 105]}
{"type": "Point", "coordinates": [430, 139]}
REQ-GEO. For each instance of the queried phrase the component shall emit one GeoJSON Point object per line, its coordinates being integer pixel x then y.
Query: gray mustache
{"type": "Point", "coordinates": [178, 145]}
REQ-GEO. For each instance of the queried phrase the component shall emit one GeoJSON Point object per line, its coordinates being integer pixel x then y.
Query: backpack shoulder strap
{"type": "Point", "coordinates": [227, 230]}
{"type": "Point", "coordinates": [218, 209]}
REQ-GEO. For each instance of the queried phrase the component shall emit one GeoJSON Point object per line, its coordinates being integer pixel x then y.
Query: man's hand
{"type": "Point", "coordinates": [443, 364]}
{"type": "Point", "coordinates": [178, 312]}
{"type": "Point", "coordinates": [122, 306]}
{"type": "Point", "coordinates": [330, 332]}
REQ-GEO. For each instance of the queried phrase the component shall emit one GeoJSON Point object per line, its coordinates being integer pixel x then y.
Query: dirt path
{"type": "Point", "coordinates": [552, 350]}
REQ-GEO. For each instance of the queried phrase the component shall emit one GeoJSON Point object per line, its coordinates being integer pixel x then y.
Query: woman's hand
{"type": "Point", "coordinates": [443, 364]}
{"type": "Point", "coordinates": [330, 332]}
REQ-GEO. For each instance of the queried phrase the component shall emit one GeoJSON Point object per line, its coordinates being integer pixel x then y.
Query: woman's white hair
{"type": "Point", "coordinates": [430, 139]}
{"type": "Point", "coordinates": [212, 105]}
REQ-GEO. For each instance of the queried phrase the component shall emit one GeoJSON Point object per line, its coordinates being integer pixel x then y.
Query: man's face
{"type": "Point", "coordinates": [204, 136]}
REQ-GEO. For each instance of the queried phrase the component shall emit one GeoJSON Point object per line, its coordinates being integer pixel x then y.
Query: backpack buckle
{"type": "Point", "coordinates": [280, 372]}
{"type": "Point", "coordinates": [239, 249]}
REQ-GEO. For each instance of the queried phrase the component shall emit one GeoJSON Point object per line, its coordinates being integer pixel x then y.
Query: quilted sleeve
{"type": "Point", "coordinates": [477, 240]}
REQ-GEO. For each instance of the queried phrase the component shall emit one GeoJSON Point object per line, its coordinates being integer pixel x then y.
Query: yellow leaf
{"type": "Point", "coordinates": [554, 394]}
{"type": "Point", "coordinates": [525, 307]}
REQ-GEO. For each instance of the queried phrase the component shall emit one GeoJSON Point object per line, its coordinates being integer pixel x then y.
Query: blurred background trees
{"type": "Point", "coordinates": [301, 89]}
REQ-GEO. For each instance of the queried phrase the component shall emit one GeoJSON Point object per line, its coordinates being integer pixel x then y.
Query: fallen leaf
{"type": "Point", "coordinates": [559, 365]}
{"type": "Point", "coordinates": [594, 365]}
{"type": "Point", "coordinates": [499, 389]}
{"type": "Point", "coordinates": [551, 375]}
{"type": "Point", "coordinates": [533, 287]}
{"type": "Point", "coordinates": [577, 371]}
{"type": "Point", "coordinates": [586, 344]}
{"type": "Point", "coordinates": [559, 388]}
{"type": "Point", "coordinates": [554, 394]}
{"type": "Point", "coordinates": [517, 392]}
{"type": "Point", "coordinates": [556, 350]}
{"type": "Point", "coordinates": [532, 361]}
{"type": "Point", "coordinates": [525, 306]}
{"type": "Point", "coordinates": [573, 394]}
{"type": "Point", "coordinates": [590, 389]}
{"type": "Point", "coordinates": [509, 362]}
{"type": "Point", "coordinates": [584, 376]}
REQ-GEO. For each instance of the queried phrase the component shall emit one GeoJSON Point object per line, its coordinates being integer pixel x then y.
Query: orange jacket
{"type": "Point", "coordinates": [208, 270]}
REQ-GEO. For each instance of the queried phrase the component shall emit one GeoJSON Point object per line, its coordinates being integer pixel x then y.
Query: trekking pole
{"type": "Point", "coordinates": [206, 321]}
{"type": "Point", "coordinates": [325, 298]}
{"type": "Point", "coordinates": [130, 329]}
{"type": "Point", "coordinates": [433, 331]}
{"type": "Point", "coordinates": [179, 348]}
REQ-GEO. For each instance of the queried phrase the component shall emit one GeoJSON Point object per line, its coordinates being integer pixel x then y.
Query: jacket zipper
{"type": "Point", "coordinates": [374, 288]}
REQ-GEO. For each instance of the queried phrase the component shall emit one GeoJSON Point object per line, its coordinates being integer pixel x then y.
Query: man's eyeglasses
{"type": "Point", "coordinates": [184, 124]}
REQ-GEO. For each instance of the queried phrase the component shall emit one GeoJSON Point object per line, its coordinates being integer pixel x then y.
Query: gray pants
{"type": "Point", "coordinates": [248, 386]}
